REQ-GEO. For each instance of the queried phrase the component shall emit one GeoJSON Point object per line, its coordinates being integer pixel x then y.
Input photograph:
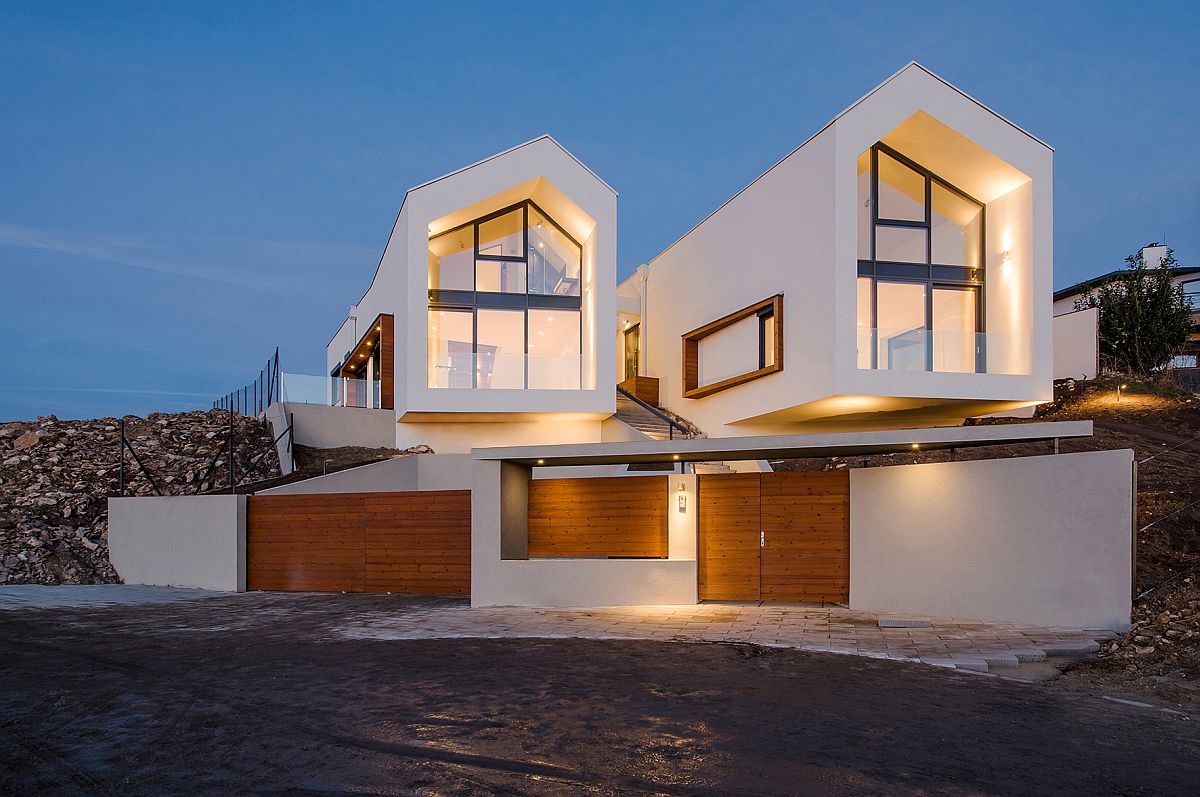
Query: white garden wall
{"type": "Point", "coordinates": [1042, 540]}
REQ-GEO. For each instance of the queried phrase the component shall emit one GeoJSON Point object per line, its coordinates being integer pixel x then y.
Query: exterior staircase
{"type": "Point", "coordinates": [648, 423]}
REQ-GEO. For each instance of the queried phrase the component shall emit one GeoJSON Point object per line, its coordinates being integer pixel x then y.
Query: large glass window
{"type": "Point", "coordinates": [500, 349]}
{"type": "Point", "coordinates": [901, 325]}
{"type": "Point", "coordinates": [920, 268]}
{"type": "Point", "coordinates": [451, 349]}
{"type": "Point", "coordinates": [554, 349]}
{"type": "Point", "coordinates": [954, 329]}
{"type": "Point", "coordinates": [554, 258]}
{"type": "Point", "coordinates": [505, 303]}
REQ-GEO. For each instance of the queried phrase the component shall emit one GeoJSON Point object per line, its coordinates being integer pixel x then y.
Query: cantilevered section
{"type": "Point", "coordinates": [795, 446]}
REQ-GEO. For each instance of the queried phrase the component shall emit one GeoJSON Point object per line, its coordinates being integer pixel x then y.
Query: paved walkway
{"type": "Point", "coordinates": [961, 644]}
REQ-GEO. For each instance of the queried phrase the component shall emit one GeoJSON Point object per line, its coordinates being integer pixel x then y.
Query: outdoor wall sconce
{"type": "Point", "coordinates": [682, 499]}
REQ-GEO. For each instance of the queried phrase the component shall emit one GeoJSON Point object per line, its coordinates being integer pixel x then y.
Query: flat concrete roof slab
{"type": "Point", "coordinates": [795, 446]}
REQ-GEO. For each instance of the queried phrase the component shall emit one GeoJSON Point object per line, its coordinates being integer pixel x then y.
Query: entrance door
{"type": "Point", "coordinates": [633, 339]}
{"type": "Point", "coordinates": [774, 536]}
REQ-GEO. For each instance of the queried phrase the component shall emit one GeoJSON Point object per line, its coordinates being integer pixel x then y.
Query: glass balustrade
{"type": "Point", "coordinates": [920, 349]}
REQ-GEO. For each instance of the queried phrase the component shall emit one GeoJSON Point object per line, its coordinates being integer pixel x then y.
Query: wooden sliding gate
{"type": "Point", "coordinates": [774, 536]}
{"type": "Point", "coordinates": [360, 542]}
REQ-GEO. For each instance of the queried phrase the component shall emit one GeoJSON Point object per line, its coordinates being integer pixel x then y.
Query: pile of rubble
{"type": "Point", "coordinates": [56, 477]}
{"type": "Point", "coordinates": [1165, 638]}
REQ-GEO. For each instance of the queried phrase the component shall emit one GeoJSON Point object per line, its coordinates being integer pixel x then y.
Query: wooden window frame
{"type": "Point", "coordinates": [691, 349]}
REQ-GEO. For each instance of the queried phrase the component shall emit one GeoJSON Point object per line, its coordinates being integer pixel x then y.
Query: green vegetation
{"type": "Point", "coordinates": [1144, 318]}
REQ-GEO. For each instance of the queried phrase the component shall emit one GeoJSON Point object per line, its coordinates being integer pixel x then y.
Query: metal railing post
{"type": "Point", "coordinates": [231, 484]}
{"type": "Point", "coordinates": [121, 458]}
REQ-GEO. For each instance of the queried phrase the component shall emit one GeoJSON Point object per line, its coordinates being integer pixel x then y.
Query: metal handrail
{"type": "Point", "coordinates": [672, 424]}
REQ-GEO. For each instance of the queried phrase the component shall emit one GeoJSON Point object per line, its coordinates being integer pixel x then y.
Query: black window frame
{"type": "Point", "coordinates": [475, 300]}
{"type": "Point", "coordinates": [931, 275]}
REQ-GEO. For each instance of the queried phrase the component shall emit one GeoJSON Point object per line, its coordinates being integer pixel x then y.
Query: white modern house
{"type": "Point", "coordinates": [884, 281]}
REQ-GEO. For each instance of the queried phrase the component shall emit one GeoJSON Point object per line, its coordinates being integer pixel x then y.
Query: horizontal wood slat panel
{"type": "Point", "coordinates": [621, 516]}
{"type": "Point", "coordinates": [806, 523]}
{"type": "Point", "coordinates": [360, 542]}
{"type": "Point", "coordinates": [727, 550]}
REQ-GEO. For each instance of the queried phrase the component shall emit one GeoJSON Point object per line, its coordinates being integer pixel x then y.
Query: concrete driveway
{"type": "Point", "coordinates": [270, 694]}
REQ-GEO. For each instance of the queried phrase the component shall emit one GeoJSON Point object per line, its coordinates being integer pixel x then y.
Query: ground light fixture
{"type": "Point", "coordinates": [1119, 389]}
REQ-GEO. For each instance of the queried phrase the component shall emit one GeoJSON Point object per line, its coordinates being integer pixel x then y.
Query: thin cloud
{"type": "Point", "coordinates": [133, 253]}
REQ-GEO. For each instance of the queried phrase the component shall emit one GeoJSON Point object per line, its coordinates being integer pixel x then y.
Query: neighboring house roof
{"type": "Point", "coordinates": [1077, 288]}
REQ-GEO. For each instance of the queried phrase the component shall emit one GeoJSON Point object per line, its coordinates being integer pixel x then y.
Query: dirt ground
{"type": "Point", "coordinates": [260, 694]}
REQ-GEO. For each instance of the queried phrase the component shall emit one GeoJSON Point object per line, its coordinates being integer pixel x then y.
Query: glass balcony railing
{"type": "Point", "coordinates": [922, 349]}
{"type": "Point", "coordinates": [329, 391]}
{"type": "Point", "coordinates": [498, 371]}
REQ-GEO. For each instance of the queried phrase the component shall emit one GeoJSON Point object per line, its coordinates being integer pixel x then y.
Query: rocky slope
{"type": "Point", "coordinates": [56, 477]}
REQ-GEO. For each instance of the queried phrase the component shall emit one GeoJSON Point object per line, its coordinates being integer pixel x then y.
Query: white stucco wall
{"type": "Point", "coordinates": [1043, 540]}
{"type": "Point", "coordinates": [179, 541]}
{"type": "Point", "coordinates": [1077, 344]}
{"type": "Point", "coordinates": [330, 427]}
{"type": "Point", "coordinates": [794, 231]}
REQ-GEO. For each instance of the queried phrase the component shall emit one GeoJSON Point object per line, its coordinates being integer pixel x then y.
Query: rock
{"type": "Point", "coordinates": [27, 440]}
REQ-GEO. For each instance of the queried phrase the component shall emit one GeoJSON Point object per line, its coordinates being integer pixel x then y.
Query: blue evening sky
{"type": "Point", "coordinates": [184, 186]}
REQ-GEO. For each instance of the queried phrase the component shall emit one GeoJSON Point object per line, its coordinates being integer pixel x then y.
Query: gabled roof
{"type": "Point", "coordinates": [543, 137]}
{"type": "Point", "coordinates": [843, 112]}
{"type": "Point", "coordinates": [1077, 288]}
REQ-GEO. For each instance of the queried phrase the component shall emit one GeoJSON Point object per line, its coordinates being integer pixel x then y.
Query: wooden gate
{"type": "Point", "coordinates": [416, 542]}
{"type": "Point", "coordinates": [775, 536]}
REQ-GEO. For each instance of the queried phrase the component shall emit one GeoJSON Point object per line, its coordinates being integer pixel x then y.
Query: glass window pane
{"type": "Point", "coordinates": [450, 359]}
{"type": "Point", "coordinates": [957, 229]}
{"type": "Point", "coordinates": [451, 259]}
{"type": "Point", "coordinates": [500, 349]}
{"type": "Point", "coordinates": [864, 322]}
{"type": "Point", "coordinates": [954, 330]}
{"type": "Point", "coordinates": [554, 349]}
{"type": "Point", "coordinates": [900, 313]}
{"type": "Point", "coordinates": [554, 259]}
{"type": "Point", "coordinates": [768, 341]}
{"type": "Point", "coordinates": [900, 244]}
{"type": "Point", "coordinates": [500, 276]}
{"type": "Point", "coordinates": [503, 236]}
{"type": "Point", "coordinates": [901, 191]}
{"type": "Point", "coordinates": [864, 206]}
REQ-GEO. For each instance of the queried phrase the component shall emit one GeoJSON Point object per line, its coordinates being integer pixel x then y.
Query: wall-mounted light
{"type": "Point", "coordinates": [682, 498]}
{"type": "Point", "coordinates": [916, 446]}
{"type": "Point", "coordinates": [541, 462]}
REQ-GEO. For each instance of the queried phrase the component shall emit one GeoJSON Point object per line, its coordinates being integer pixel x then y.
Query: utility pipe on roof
{"type": "Point", "coordinates": [644, 272]}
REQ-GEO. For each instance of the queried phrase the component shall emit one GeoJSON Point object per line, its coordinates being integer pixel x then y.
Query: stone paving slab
{"type": "Point", "coordinates": [949, 642]}
{"type": "Point", "coordinates": [72, 596]}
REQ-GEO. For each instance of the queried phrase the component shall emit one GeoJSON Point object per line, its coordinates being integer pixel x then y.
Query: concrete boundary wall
{"type": "Point", "coordinates": [330, 427]}
{"type": "Point", "coordinates": [502, 576]}
{"type": "Point", "coordinates": [180, 541]}
{"type": "Point", "coordinates": [404, 474]}
{"type": "Point", "coordinates": [1044, 540]}
{"type": "Point", "coordinates": [1077, 344]}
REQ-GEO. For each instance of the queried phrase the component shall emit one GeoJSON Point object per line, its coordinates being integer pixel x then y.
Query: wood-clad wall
{"type": "Point", "coordinates": [417, 542]}
{"type": "Point", "coordinates": [727, 550]}
{"type": "Point", "coordinates": [616, 517]}
{"type": "Point", "coordinates": [775, 536]}
{"type": "Point", "coordinates": [806, 525]}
